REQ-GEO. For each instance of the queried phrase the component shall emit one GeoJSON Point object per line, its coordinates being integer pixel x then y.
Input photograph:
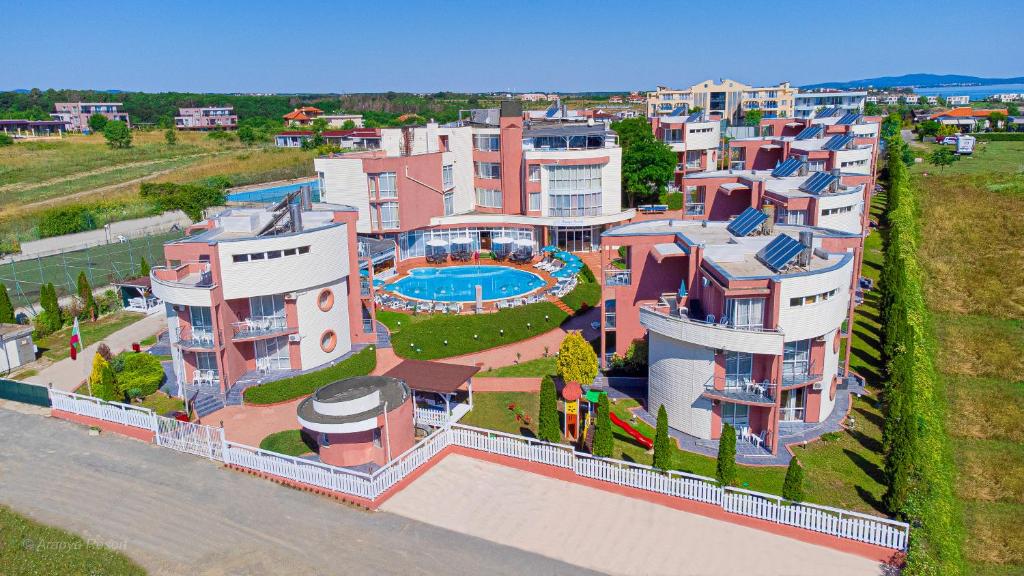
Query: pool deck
{"type": "Point", "coordinates": [269, 185]}
{"type": "Point", "coordinates": [411, 277]}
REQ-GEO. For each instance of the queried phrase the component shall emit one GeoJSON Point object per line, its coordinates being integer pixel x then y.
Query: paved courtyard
{"type": "Point", "coordinates": [179, 514]}
{"type": "Point", "coordinates": [600, 530]}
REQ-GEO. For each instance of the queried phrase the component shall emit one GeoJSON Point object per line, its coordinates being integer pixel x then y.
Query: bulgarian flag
{"type": "Point", "coordinates": [76, 340]}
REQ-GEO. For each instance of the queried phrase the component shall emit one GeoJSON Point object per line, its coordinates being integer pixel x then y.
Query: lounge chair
{"type": "Point", "coordinates": [455, 307]}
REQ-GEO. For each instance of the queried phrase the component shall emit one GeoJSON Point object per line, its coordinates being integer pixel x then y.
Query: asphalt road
{"type": "Point", "coordinates": [179, 514]}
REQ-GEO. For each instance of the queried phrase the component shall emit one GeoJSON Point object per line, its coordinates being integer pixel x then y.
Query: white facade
{"type": "Point", "coordinates": [807, 103]}
{"type": "Point", "coordinates": [678, 372]}
{"type": "Point", "coordinates": [16, 347]}
{"type": "Point", "coordinates": [315, 322]}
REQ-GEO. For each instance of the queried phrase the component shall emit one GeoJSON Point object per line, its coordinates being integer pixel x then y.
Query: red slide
{"type": "Point", "coordinates": [647, 442]}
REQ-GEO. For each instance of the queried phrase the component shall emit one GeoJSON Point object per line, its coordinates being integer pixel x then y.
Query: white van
{"type": "Point", "coordinates": [965, 144]}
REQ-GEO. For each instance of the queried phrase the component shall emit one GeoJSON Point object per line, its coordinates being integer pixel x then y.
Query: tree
{"type": "Point", "coordinates": [662, 444]}
{"type": "Point", "coordinates": [726, 469]}
{"type": "Point", "coordinates": [603, 441]}
{"type": "Point", "coordinates": [922, 101]}
{"type": "Point", "coordinates": [51, 318]}
{"type": "Point", "coordinates": [6, 139]}
{"type": "Point", "coordinates": [996, 120]}
{"type": "Point", "coordinates": [248, 135]}
{"type": "Point", "coordinates": [89, 306]}
{"type": "Point", "coordinates": [97, 122]}
{"type": "Point", "coordinates": [101, 380]}
{"type": "Point", "coordinates": [928, 128]}
{"type": "Point", "coordinates": [6, 307]}
{"type": "Point", "coordinates": [753, 118]}
{"type": "Point", "coordinates": [348, 125]}
{"type": "Point", "coordinates": [647, 166]}
{"type": "Point", "coordinates": [793, 486]}
{"type": "Point", "coordinates": [631, 130]}
{"type": "Point", "coordinates": [548, 428]}
{"type": "Point", "coordinates": [143, 267]}
{"type": "Point", "coordinates": [942, 102]}
{"type": "Point", "coordinates": [942, 157]}
{"type": "Point", "coordinates": [171, 137]}
{"type": "Point", "coordinates": [1012, 109]}
{"type": "Point", "coordinates": [117, 134]}
{"type": "Point", "coordinates": [872, 109]}
{"type": "Point", "coordinates": [577, 361]}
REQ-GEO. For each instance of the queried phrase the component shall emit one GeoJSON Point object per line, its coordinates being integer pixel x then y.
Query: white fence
{"type": "Point", "coordinates": [209, 442]}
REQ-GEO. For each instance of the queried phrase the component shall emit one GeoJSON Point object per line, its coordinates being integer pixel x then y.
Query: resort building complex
{"type": "Point", "coordinates": [728, 98]}
{"type": "Point", "coordinates": [75, 115]}
{"type": "Point", "coordinates": [807, 104]}
{"type": "Point", "coordinates": [206, 118]}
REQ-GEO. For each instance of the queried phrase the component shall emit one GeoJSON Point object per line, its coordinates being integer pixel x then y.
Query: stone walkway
{"type": "Point", "coordinates": [68, 374]}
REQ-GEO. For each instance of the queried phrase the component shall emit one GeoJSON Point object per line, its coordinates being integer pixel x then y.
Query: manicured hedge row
{"type": "Point", "coordinates": [918, 465]}
{"type": "Point", "coordinates": [359, 364]}
{"type": "Point", "coordinates": [999, 136]}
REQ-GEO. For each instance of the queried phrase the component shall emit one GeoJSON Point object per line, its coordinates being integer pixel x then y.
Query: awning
{"type": "Point", "coordinates": [770, 146]}
{"type": "Point", "coordinates": [462, 240]}
{"type": "Point", "coordinates": [525, 242]}
{"type": "Point", "coordinates": [734, 186]}
{"type": "Point", "coordinates": [668, 250]}
{"type": "Point", "coordinates": [501, 240]}
{"type": "Point", "coordinates": [427, 376]}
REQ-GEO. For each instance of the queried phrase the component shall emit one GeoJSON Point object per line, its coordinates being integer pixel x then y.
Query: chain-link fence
{"type": "Point", "coordinates": [102, 265]}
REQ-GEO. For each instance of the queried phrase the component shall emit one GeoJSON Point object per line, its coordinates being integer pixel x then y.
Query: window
{"type": "Point", "coordinates": [534, 201]}
{"type": "Point", "coordinates": [386, 183]}
{"type": "Point", "coordinates": [736, 415]}
{"type": "Point", "coordinates": [672, 135]}
{"type": "Point", "coordinates": [535, 173]}
{"type": "Point", "coordinates": [376, 437]}
{"type": "Point", "coordinates": [303, 249]}
{"type": "Point", "coordinates": [693, 158]}
{"type": "Point", "coordinates": [796, 361]}
{"type": "Point", "coordinates": [272, 354]}
{"type": "Point", "coordinates": [325, 300]}
{"type": "Point", "coordinates": [207, 361]}
{"type": "Point", "coordinates": [199, 317]}
{"type": "Point", "coordinates": [257, 256]}
{"type": "Point", "coordinates": [840, 210]}
{"type": "Point", "coordinates": [449, 203]}
{"type": "Point", "coordinates": [574, 190]}
{"type": "Point", "coordinates": [266, 306]}
{"type": "Point", "coordinates": [273, 254]}
{"type": "Point", "coordinates": [239, 257]}
{"type": "Point", "coordinates": [389, 215]}
{"type": "Point", "coordinates": [487, 142]}
{"type": "Point", "coordinates": [815, 165]}
{"type": "Point", "coordinates": [328, 340]}
{"type": "Point", "coordinates": [325, 439]}
{"type": "Point", "coordinates": [813, 298]}
{"type": "Point", "coordinates": [289, 252]}
{"type": "Point", "coordinates": [447, 178]}
{"type": "Point", "coordinates": [487, 169]}
{"type": "Point", "coordinates": [488, 198]}
{"type": "Point", "coordinates": [795, 217]}
{"type": "Point", "coordinates": [739, 368]}
{"type": "Point", "coordinates": [745, 313]}
{"type": "Point", "coordinates": [694, 200]}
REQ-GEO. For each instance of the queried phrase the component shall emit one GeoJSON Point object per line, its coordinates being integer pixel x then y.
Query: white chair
{"type": "Point", "coordinates": [758, 440]}
{"type": "Point", "coordinates": [745, 433]}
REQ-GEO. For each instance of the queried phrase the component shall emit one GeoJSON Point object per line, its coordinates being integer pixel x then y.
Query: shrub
{"type": "Point", "coordinates": [603, 440]}
{"type": "Point", "coordinates": [143, 267]}
{"type": "Point", "coordinates": [662, 444]}
{"type": "Point", "coordinates": [51, 318]}
{"type": "Point", "coordinates": [66, 220]}
{"type": "Point", "coordinates": [191, 199]}
{"type": "Point", "coordinates": [726, 468]}
{"type": "Point", "coordinates": [171, 137]}
{"type": "Point", "coordinates": [548, 428]}
{"type": "Point", "coordinates": [577, 361]}
{"type": "Point", "coordinates": [101, 380]}
{"type": "Point", "coordinates": [6, 307]}
{"type": "Point", "coordinates": [793, 486]}
{"type": "Point", "coordinates": [138, 371]}
{"type": "Point", "coordinates": [97, 122]}
{"type": "Point", "coordinates": [117, 134]}
{"type": "Point", "coordinates": [5, 139]}
{"type": "Point", "coordinates": [89, 306]}
{"type": "Point", "coordinates": [104, 351]}
{"type": "Point", "coordinates": [831, 436]}
{"type": "Point", "coordinates": [359, 364]}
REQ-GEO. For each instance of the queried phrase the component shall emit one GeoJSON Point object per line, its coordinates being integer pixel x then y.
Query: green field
{"type": "Point", "coordinates": [972, 228]}
{"type": "Point", "coordinates": [56, 347]}
{"type": "Point", "coordinates": [988, 158]}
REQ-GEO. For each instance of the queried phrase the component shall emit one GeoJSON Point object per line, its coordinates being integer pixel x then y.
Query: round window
{"type": "Point", "coordinates": [325, 301]}
{"type": "Point", "coordinates": [328, 340]}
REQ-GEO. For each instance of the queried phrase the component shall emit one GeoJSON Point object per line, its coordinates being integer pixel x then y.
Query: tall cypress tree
{"type": "Point", "coordinates": [55, 316]}
{"type": "Point", "coordinates": [6, 307]}
{"type": "Point", "coordinates": [662, 444]}
{"type": "Point", "coordinates": [726, 470]}
{"type": "Point", "coordinates": [793, 486]}
{"type": "Point", "coordinates": [603, 441]}
{"type": "Point", "coordinates": [89, 307]}
{"type": "Point", "coordinates": [143, 267]}
{"type": "Point", "coordinates": [548, 428]}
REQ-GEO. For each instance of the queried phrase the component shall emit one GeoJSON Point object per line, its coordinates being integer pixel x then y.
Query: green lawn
{"type": "Point", "coordinates": [490, 410]}
{"type": "Point", "coordinates": [359, 364]}
{"type": "Point", "coordinates": [988, 158]}
{"type": "Point", "coordinates": [423, 336]}
{"type": "Point", "coordinates": [583, 295]}
{"type": "Point", "coordinates": [55, 346]}
{"type": "Point", "coordinates": [539, 367]}
{"type": "Point", "coordinates": [289, 442]}
{"type": "Point", "coordinates": [30, 548]}
{"type": "Point", "coordinates": [161, 403]}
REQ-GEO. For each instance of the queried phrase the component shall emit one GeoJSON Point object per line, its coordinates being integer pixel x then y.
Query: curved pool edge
{"type": "Point", "coordinates": [389, 287]}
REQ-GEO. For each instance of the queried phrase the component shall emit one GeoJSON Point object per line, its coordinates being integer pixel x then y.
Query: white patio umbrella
{"type": "Point", "coordinates": [437, 243]}
{"type": "Point", "coordinates": [462, 240]}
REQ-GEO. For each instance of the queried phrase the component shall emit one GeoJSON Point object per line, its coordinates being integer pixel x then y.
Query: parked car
{"type": "Point", "coordinates": [946, 140]}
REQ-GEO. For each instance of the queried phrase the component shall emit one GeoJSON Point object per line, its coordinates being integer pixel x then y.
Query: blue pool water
{"type": "Point", "coordinates": [275, 193]}
{"type": "Point", "coordinates": [458, 283]}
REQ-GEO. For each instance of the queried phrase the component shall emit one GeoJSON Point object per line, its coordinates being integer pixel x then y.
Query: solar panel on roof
{"type": "Point", "coordinates": [838, 142]}
{"type": "Point", "coordinates": [695, 117]}
{"type": "Point", "coordinates": [552, 110]}
{"type": "Point", "coordinates": [786, 168]}
{"type": "Point", "coordinates": [849, 118]}
{"type": "Point", "coordinates": [678, 111]}
{"type": "Point", "coordinates": [818, 182]}
{"type": "Point", "coordinates": [809, 132]}
{"type": "Point", "coordinates": [828, 112]}
{"type": "Point", "coordinates": [746, 222]}
{"type": "Point", "coordinates": [780, 252]}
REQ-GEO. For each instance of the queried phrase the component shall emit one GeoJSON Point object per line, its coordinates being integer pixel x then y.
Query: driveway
{"type": "Point", "coordinates": [603, 531]}
{"type": "Point", "coordinates": [178, 514]}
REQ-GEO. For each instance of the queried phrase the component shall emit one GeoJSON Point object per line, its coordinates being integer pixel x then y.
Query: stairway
{"type": "Point", "coordinates": [561, 305]}
{"type": "Point", "coordinates": [383, 336]}
{"type": "Point", "coordinates": [207, 403]}
{"type": "Point", "coordinates": [235, 393]}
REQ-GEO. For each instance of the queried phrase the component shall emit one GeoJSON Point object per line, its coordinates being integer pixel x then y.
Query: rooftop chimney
{"type": "Point", "coordinates": [295, 216]}
{"type": "Point", "coordinates": [306, 198]}
{"type": "Point", "coordinates": [807, 239]}
{"type": "Point", "coordinates": [803, 166]}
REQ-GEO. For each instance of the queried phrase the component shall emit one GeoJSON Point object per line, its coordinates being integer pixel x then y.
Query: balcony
{"type": "Point", "coordinates": [260, 327]}
{"type": "Point", "coordinates": [741, 390]}
{"type": "Point", "coordinates": [364, 287]}
{"type": "Point", "coordinates": [195, 339]}
{"type": "Point", "coordinates": [799, 379]}
{"type": "Point", "coordinates": [609, 320]}
{"type": "Point", "coordinates": [678, 325]}
{"type": "Point", "coordinates": [617, 277]}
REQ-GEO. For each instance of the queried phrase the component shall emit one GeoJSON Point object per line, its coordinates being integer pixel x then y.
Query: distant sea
{"type": "Point", "coordinates": [975, 92]}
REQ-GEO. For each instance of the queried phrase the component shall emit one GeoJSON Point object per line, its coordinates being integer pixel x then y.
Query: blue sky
{"type": "Point", "coordinates": [372, 46]}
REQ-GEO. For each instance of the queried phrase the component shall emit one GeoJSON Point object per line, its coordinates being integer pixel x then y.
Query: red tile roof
{"type": "Point", "coordinates": [967, 112]}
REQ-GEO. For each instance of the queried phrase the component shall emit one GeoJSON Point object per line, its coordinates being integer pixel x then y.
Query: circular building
{"type": "Point", "coordinates": [359, 421]}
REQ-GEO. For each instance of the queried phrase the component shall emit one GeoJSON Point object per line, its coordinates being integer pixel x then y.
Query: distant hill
{"type": "Point", "coordinates": [918, 80]}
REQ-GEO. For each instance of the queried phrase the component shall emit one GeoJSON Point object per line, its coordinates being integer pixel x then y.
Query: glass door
{"type": "Point", "coordinates": [739, 368]}
{"type": "Point", "coordinates": [796, 360]}
{"type": "Point", "coordinates": [272, 354]}
{"type": "Point", "coordinates": [792, 405]}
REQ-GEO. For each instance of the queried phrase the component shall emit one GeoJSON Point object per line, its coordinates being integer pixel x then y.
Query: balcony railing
{"type": "Point", "coordinates": [195, 338]}
{"type": "Point", "coordinates": [740, 389]}
{"type": "Point", "coordinates": [258, 326]}
{"type": "Point", "coordinates": [791, 414]}
{"type": "Point", "coordinates": [609, 320]}
{"type": "Point", "coordinates": [617, 277]}
{"type": "Point", "coordinates": [367, 325]}
{"type": "Point", "coordinates": [364, 288]}
{"type": "Point", "coordinates": [800, 378]}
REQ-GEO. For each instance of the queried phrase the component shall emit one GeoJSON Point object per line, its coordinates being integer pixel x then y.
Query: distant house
{"type": "Point", "coordinates": [206, 118]}
{"type": "Point", "coordinates": [615, 99]}
{"type": "Point", "coordinates": [362, 138]}
{"type": "Point", "coordinates": [303, 116]}
{"type": "Point", "coordinates": [965, 118]}
{"type": "Point", "coordinates": [338, 120]}
{"type": "Point", "coordinates": [76, 114]}
{"type": "Point", "coordinates": [16, 346]}
{"type": "Point", "coordinates": [18, 128]}
{"type": "Point", "coordinates": [958, 100]}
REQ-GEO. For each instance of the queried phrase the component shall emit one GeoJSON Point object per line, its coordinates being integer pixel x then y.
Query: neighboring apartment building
{"type": "Point", "coordinates": [745, 297]}
{"type": "Point", "coordinates": [206, 118]}
{"type": "Point", "coordinates": [302, 116]}
{"type": "Point", "coordinates": [339, 120]}
{"type": "Point", "coordinates": [493, 174]}
{"type": "Point", "coordinates": [75, 115]}
{"type": "Point", "coordinates": [958, 100]}
{"type": "Point", "coordinates": [252, 293]}
{"type": "Point", "coordinates": [727, 98]}
{"type": "Point", "coordinates": [806, 104]}
{"type": "Point", "coordinates": [361, 138]}
{"type": "Point", "coordinates": [694, 138]}
{"type": "Point", "coordinates": [1008, 97]}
